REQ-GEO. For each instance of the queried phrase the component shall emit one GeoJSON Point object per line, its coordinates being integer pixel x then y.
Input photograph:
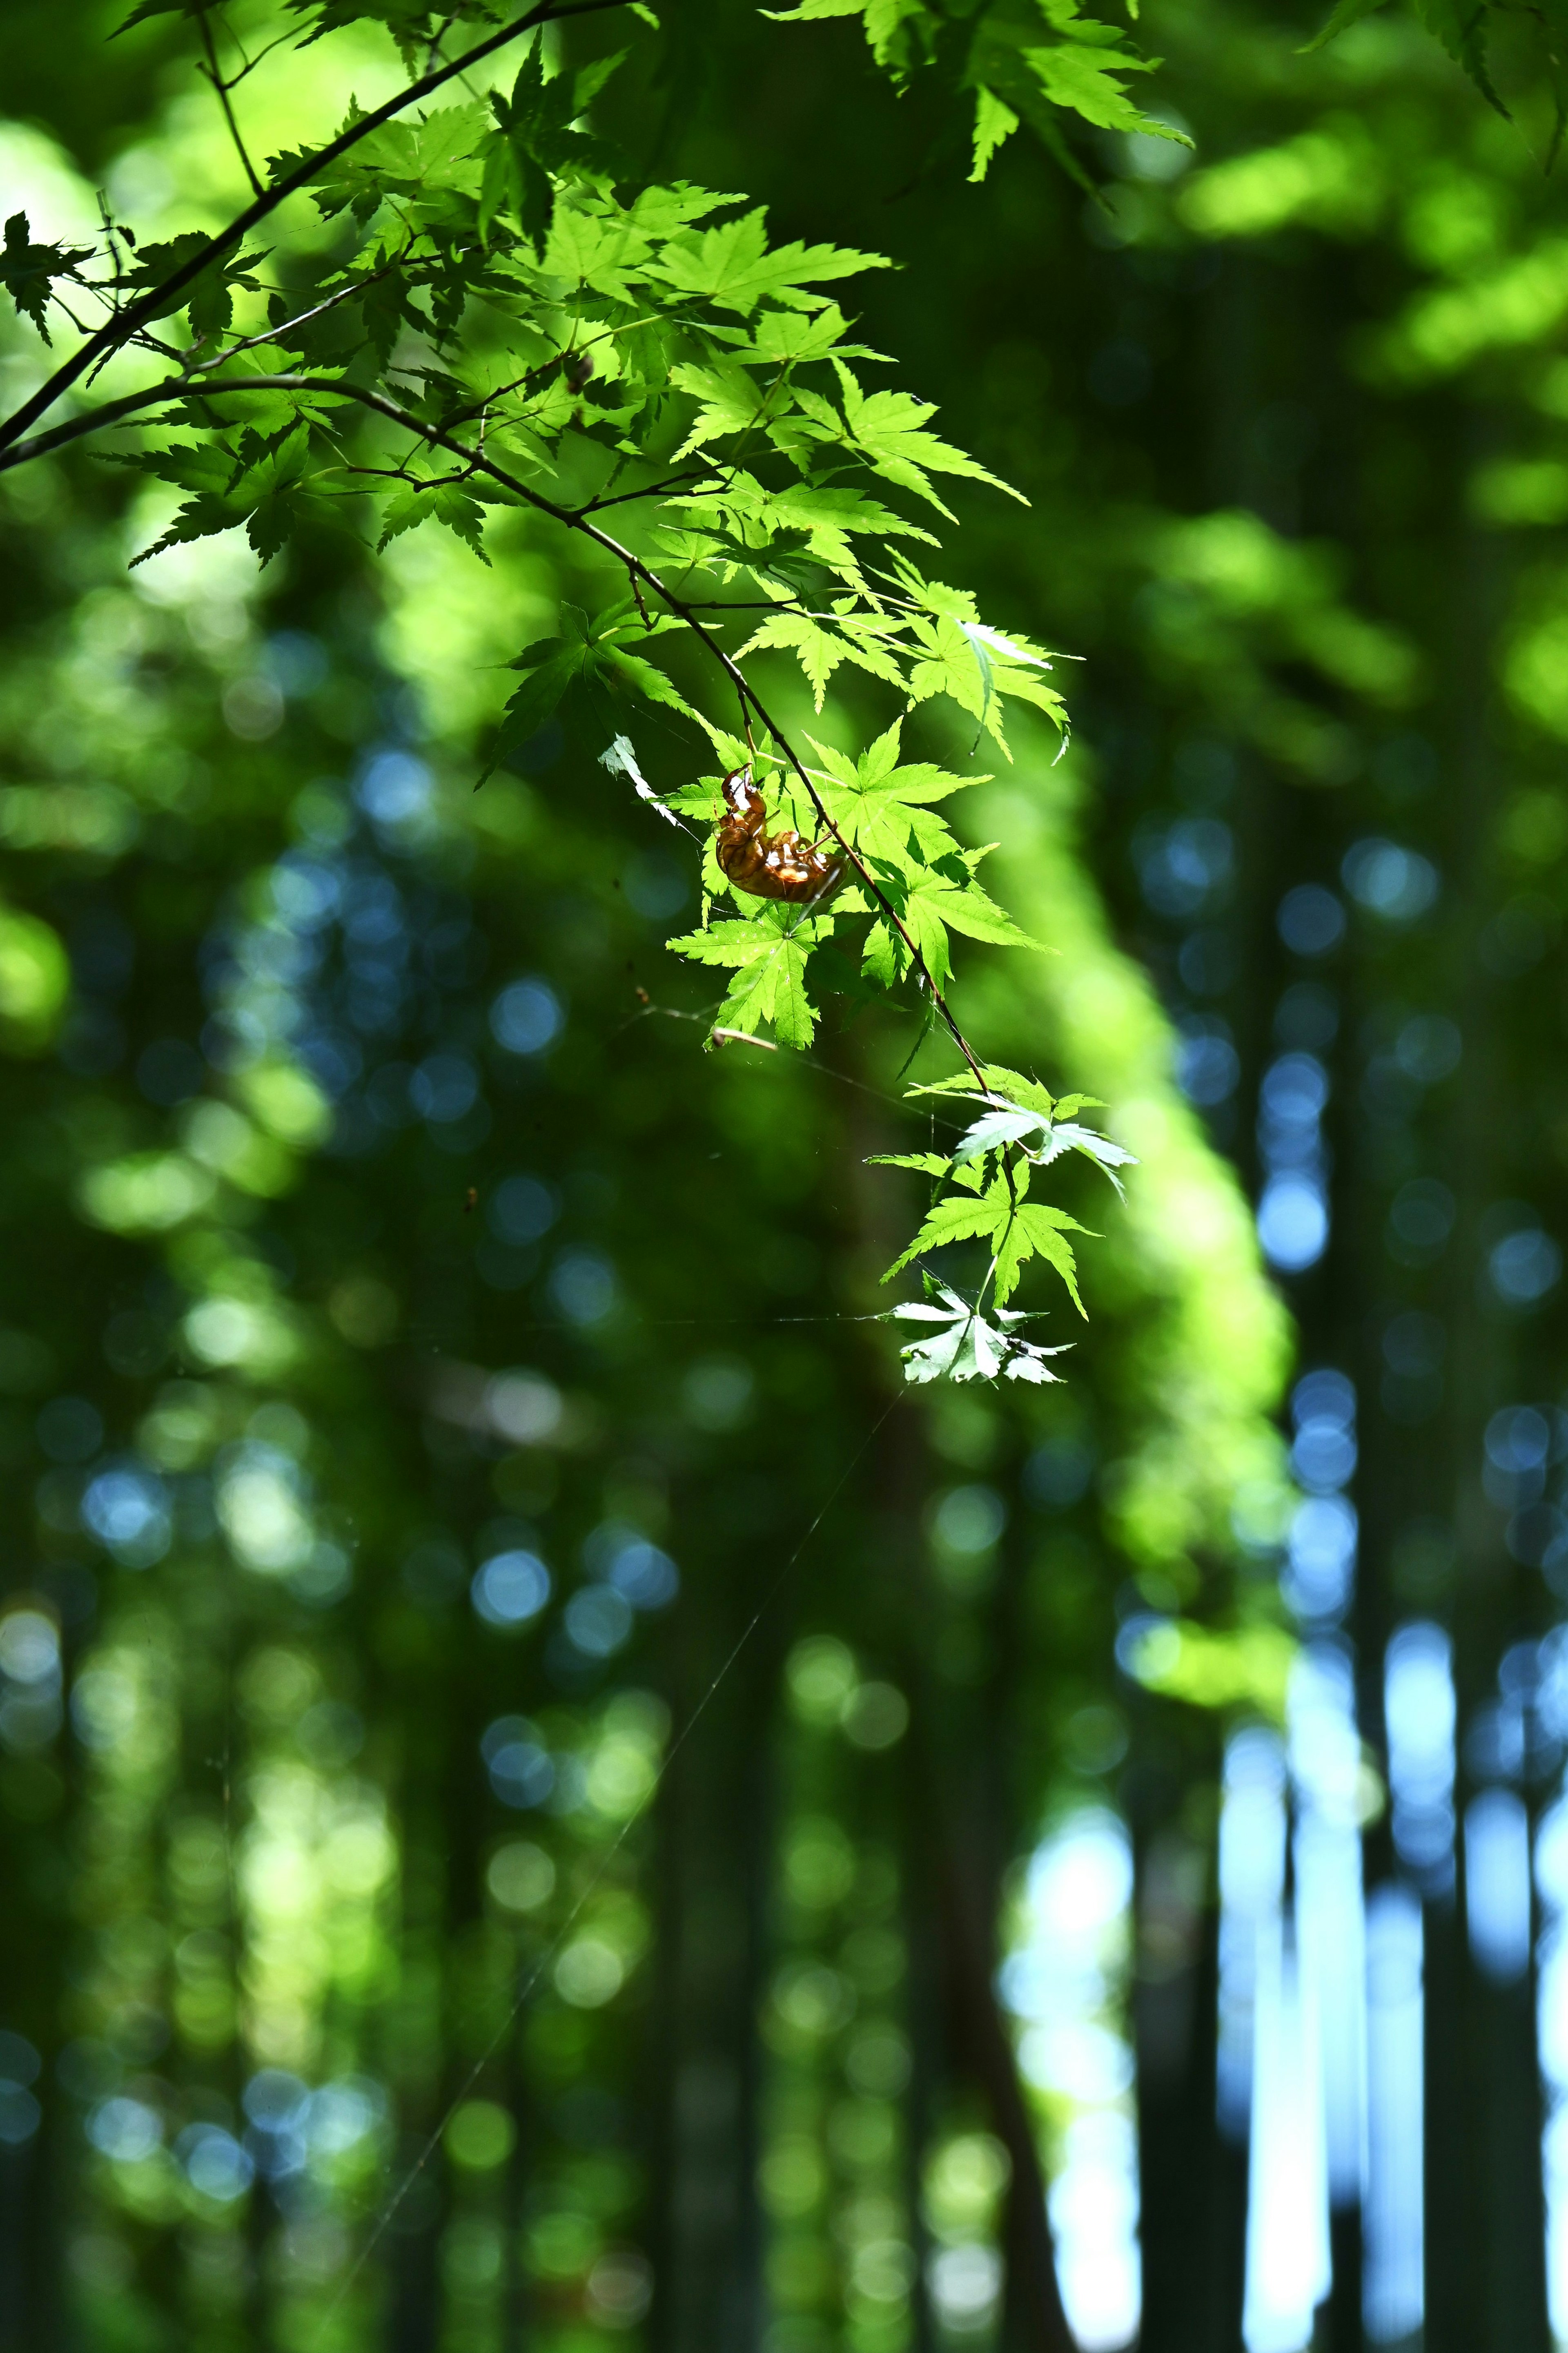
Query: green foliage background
{"type": "Point", "coordinates": [704, 2047]}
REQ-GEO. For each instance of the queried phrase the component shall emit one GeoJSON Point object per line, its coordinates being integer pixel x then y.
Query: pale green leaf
{"type": "Point", "coordinates": [732, 267]}
{"type": "Point", "coordinates": [998, 1128]}
{"type": "Point", "coordinates": [882, 958]}
{"type": "Point", "coordinates": [926, 1163]}
{"type": "Point", "coordinates": [995, 121]}
{"type": "Point", "coordinates": [954, 1221]}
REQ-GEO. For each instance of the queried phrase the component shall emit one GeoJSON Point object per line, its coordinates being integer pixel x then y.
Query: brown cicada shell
{"type": "Point", "coordinates": [769, 865]}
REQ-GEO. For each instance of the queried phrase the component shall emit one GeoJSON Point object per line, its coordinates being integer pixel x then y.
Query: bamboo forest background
{"type": "Point", "coordinates": [545, 1802]}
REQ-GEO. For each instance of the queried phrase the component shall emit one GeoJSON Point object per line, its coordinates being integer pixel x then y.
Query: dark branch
{"type": "Point", "coordinates": [251, 63]}
{"type": "Point", "coordinates": [214, 75]}
{"type": "Point", "coordinates": [650, 491]}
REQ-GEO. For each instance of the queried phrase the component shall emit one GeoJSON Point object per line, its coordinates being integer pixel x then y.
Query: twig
{"type": "Point", "coordinates": [744, 1038]}
{"type": "Point", "coordinates": [303, 318]}
{"type": "Point", "coordinates": [623, 498]}
{"type": "Point", "coordinates": [437, 38]}
{"type": "Point", "coordinates": [251, 63]}
{"type": "Point", "coordinates": [748, 604]}
{"type": "Point", "coordinates": [214, 75]}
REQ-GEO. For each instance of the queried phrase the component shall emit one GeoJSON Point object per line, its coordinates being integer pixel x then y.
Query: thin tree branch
{"type": "Point", "coordinates": [749, 604]}
{"type": "Point", "coordinates": [251, 63]}
{"type": "Point", "coordinates": [624, 498]}
{"type": "Point", "coordinates": [112, 412]}
{"type": "Point", "coordinates": [288, 326]}
{"type": "Point", "coordinates": [214, 75]}
{"type": "Point", "coordinates": [437, 38]}
{"type": "Point", "coordinates": [119, 330]}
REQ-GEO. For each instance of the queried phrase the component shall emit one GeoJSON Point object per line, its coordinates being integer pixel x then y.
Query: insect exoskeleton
{"type": "Point", "coordinates": [770, 865]}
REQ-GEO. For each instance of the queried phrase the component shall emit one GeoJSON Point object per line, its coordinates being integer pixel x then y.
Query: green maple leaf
{"type": "Point", "coordinates": [769, 953]}
{"type": "Point", "coordinates": [1084, 81]}
{"type": "Point", "coordinates": [930, 903]}
{"type": "Point", "coordinates": [995, 121]}
{"type": "Point", "coordinates": [885, 808]}
{"type": "Point", "coordinates": [889, 429]}
{"type": "Point", "coordinates": [884, 955]}
{"type": "Point", "coordinates": [1015, 1230]}
{"type": "Point", "coordinates": [1037, 1230]}
{"type": "Point", "coordinates": [953, 1221]}
{"type": "Point", "coordinates": [588, 656]}
{"type": "Point", "coordinates": [729, 401]}
{"type": "Point", "coordinates": [534, 143]}
{"type": "Point", "coordinates": [925, 1163]}
{"type": "Point", "coordinates": [790, 1010]}
{"type": "Point", "coordinates": [999, 1082]}
{"type": "Point", "coordinates": [967, 908]}
{"type": "Point", "coordinates": [255, 483]}
{"type": "Point", "coordinates": [821, 645]}
{"type": "Point", "coordinates": [27, 271]}
{"type": "Point", "coordinates": [962, 1345]}
{"type": "Point", "coordinates": [513, 181]}
{"type": "Point", "coordinates": [772, 988]}
{"type": "Point", "coordinates": [442, 502]}
{"type": "Point", "coordinates": [794, 338]}
{"type": "Point", "coordinates": [551, 664]}
{"type": "Point", "coordinates": [827, 518]}
{"type": "Point", "coordinates": [732, 267]}
{"type": "Point", "coordinates": [154, 263]}
{"type": "Point", "coordinates": [587, 248]}
{"type": "Point", "coordinates": [954, 652]}
{"type": "Point", "coordinates": [898, 30]}
{"type": "Point", "coordinates": [738, 943]}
